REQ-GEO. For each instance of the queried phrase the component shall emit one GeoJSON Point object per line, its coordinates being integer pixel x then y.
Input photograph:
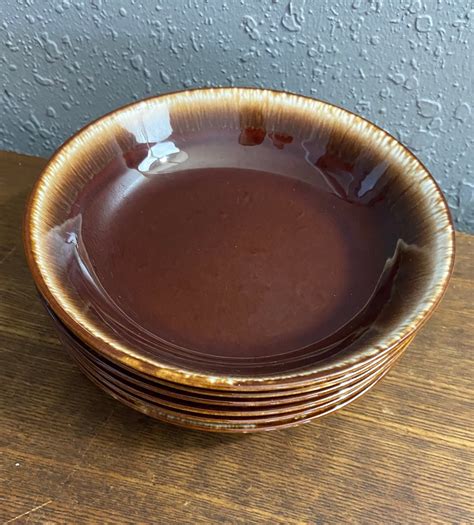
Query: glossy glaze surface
{"type": "Point", "coordinates": [362, 253]}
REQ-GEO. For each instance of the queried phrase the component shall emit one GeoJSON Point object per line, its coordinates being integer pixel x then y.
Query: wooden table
{"type": "Point", "coordinates": [71, 455]}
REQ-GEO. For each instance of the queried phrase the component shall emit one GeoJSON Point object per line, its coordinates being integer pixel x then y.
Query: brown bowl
{"type": "Point", "coordinates": [236, 242]}
{"type": "Point", "coordinates": [294, 404]}
{"type": "Point", "coordinates": [228, 407]}
{"type": "Point", "coordinates": [219, 403]}
{"type": "Point", "coordinates": [234, 425]}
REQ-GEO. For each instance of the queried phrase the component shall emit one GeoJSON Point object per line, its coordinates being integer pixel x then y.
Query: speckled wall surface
{"type": "Point", "coordinates": [402, 63]}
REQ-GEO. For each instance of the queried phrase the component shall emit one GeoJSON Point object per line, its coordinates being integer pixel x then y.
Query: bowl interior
{"type": "Point", "coordinates": [237, 232]}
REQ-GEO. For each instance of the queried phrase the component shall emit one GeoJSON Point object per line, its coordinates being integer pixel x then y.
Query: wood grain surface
{"type": "Point", "coordinates": [70, 454]}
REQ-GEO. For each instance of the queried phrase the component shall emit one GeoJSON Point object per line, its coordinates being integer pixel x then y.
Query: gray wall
{"type": "Point", "coordinates": [402, 63]}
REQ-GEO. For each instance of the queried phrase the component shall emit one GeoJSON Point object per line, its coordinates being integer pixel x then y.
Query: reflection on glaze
{"type": "Point", "coordinates": [149, 126]}
{"type": "Point", "coordinates": [161, 157]}
{"type": "Point", "coordinates": [352, 181]}
{"type": "Point", "coordinates": [151, 137]}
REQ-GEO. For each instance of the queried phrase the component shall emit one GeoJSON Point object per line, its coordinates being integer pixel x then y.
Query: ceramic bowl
{"type": "Point", "coordinates": [188, 419]}
{"type": "Point", "coordinates": [237, 249]}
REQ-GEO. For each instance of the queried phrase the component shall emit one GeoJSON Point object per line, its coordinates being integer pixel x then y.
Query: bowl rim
{"type": "Point", "coordinates": [152, 366]}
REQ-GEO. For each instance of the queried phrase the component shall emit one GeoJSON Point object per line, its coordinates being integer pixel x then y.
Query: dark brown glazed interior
{"type": "Point", "coordinates": [242, 240]}
{"type": "Point", "coordinates": [231, 263]}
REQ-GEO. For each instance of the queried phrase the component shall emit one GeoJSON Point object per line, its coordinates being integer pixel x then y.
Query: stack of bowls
{"type": "Point", "coordinates": [237, 260]}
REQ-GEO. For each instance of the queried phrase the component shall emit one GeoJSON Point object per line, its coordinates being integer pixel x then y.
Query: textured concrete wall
{"type": "Point", "coordinates": [402, 63]}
